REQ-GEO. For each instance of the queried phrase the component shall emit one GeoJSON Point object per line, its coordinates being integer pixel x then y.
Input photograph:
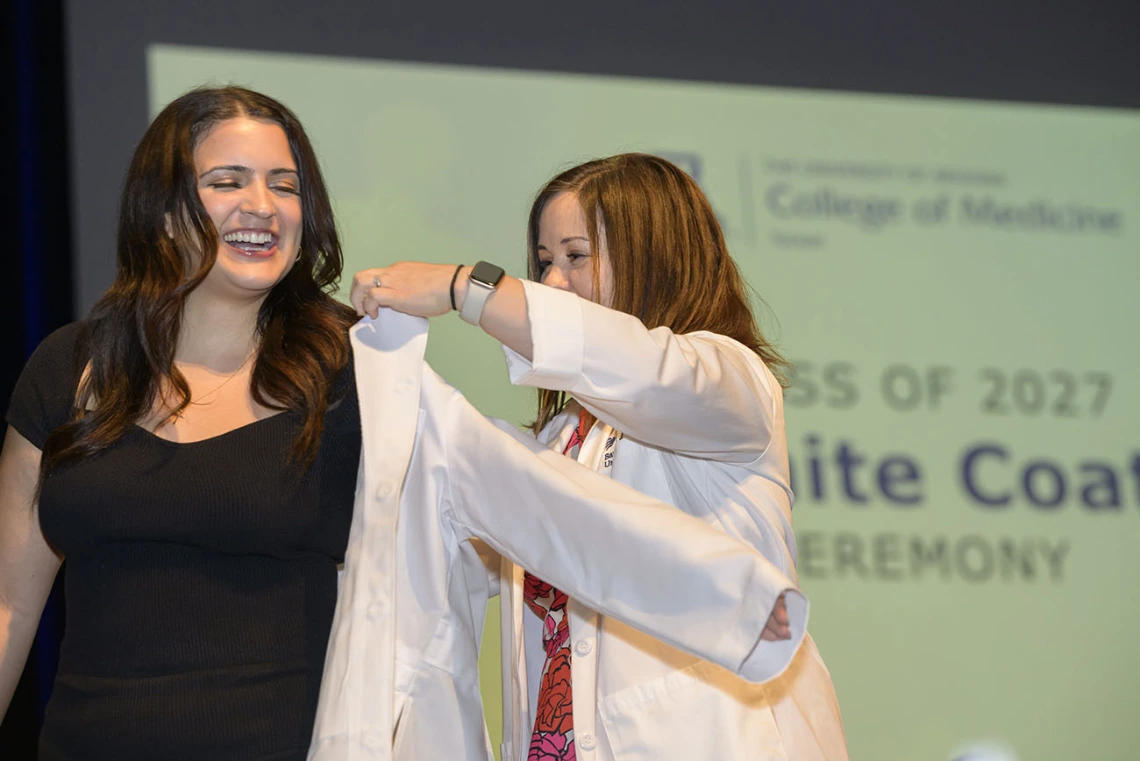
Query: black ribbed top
{"type": "Point", "coordinates": [200, 579]}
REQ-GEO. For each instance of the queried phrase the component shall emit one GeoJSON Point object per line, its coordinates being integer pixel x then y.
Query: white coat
{"type": "Point", "coordinates": [701, 425]}
{"type": "Point", "coordinates": [401, 672]}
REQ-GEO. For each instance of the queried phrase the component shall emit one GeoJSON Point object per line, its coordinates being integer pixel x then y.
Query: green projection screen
{"type": "Point", "coordinates": [956, 282]}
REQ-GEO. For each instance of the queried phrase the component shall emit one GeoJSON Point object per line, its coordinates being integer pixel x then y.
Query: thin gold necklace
{"type": "Point", "coordinates": [220, 386]}
{"type": "Point", "coordinates": [200, 402]}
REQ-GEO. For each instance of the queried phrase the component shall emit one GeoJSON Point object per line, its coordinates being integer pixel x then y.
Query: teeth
{"type": "Point", "coordinates": [247, 237]}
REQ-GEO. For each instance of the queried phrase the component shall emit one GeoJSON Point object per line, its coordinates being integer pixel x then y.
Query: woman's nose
{"type": "Point", "coordinates": [258, 201]}
{"type": "Point", "coordinates": [555, 278]}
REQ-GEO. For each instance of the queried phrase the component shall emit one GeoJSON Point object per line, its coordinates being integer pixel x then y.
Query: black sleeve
{"type": "Point", "coordinates": [44, 394]}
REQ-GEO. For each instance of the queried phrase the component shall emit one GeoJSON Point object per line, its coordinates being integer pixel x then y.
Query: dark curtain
{"type": "Point", "coordinates": [36, 285]}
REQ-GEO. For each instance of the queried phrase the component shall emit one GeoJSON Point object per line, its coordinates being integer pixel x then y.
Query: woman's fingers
{"type": "Point", "coordinates": [363, 282]}
{"type": "Point", "coordinates": [415, 288]}
{"type": "Point", "coordinates": [780, 611]}
{"type": "Point", "coordinates": [778, 626]}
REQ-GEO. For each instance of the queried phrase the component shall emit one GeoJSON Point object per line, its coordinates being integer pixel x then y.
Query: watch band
{"type": "Point", "coordinates": [481, 284]}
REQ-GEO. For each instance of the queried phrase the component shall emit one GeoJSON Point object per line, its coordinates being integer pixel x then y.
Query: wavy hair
{"type": "Point", "coordinates": [131, 334]}
{"type": "Point", "coordinates": [671, 265]}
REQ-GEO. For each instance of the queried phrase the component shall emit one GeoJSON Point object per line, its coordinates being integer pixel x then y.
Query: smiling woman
{"type": "Point", "coordinates": [191, 448]}
{"type": "Point", "coordinates": [650, 369]}
{"type": "Point", "coordinates": [249, 185]}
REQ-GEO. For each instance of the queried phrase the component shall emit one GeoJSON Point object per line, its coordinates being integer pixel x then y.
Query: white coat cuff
{"type": "Point", "coordinates": [558, 337]}
{"type": "Point", "coordinates": [768, 659]}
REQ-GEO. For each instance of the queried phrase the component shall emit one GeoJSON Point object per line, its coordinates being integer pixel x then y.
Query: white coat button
{"type": "Point", "coordinates": [384, 491]}
{"type": "Point", "coordinates": [586, 741]}
{"type": "Point", "coordinates": [372, 742]}
{"type": "Point", "coordinates": [375, 610]}
{"type": "Point", "coordinates": [583, 648]}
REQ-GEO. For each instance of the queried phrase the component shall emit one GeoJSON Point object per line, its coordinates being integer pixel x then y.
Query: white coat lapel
{"type": "Point", "coordinates": [516, 706]}
{"type": "Point", "coordinates": [389, 355]}
{"type": "Point", "coordinates": [388, 358]}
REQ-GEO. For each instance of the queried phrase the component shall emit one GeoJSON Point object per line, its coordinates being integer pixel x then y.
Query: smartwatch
{"type": "Point", "coordinates": [481, 284]}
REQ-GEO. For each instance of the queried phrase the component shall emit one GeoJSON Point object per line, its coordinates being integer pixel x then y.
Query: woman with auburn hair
{"type": "Point", "coordinates": [636, 329]}
{"type": "Point", "coordinates": [191, 449]}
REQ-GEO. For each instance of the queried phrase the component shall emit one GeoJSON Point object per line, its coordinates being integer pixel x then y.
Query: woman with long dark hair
{"type": "Point", "coordinates": [203, 455]}
{"type": "Point", "coordinates": [636, 329]}
{"type": "Point", "coordinates": [191, 449]}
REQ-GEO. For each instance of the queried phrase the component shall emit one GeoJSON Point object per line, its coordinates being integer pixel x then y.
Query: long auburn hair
{"type": "Point", "coordinates": [131, 333]}
{"type": "Point", "coordinates": [671, 265]}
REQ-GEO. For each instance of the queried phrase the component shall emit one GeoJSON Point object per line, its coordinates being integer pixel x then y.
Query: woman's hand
{"type": "Point", "coordinates": [778, 627]}
{"type": "Point", "coordinates": [424, 290]}
{"type": "Point", "coordinates": [414, 288]}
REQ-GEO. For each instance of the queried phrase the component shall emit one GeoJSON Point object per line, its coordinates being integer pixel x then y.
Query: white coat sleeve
{"type": "Point", "coordinates": [619, 552]}
{"type": "Point", "coordinates": [698, 394]}
{"type": "Point", "coordinates": [493, 562]}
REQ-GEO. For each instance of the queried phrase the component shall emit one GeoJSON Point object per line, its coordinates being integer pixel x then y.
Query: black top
{"type": "Point", "coordinates": [200, 580]}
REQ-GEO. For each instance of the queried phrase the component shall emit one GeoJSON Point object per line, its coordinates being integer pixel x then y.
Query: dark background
{"type": "Point", "coordinates": [75, 102]}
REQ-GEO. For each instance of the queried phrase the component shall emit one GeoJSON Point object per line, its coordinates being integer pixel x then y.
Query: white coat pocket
{"type": "Point", "coordinates": [701, 712]}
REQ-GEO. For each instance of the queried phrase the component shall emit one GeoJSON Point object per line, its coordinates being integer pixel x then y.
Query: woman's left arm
{"type": "Point", "coordinates": [616, 550]}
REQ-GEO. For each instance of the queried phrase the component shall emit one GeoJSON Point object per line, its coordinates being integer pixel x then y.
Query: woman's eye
{"type": "Point", "coordinates": [287, 189]}
{"type": "Point", "coordinates": [577, 256]}
{"type": "Point", "coordinates": [224, 185]}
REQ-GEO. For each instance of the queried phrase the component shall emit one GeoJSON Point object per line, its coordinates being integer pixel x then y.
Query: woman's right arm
{"type": "Point", "coordinates": [28, 565]}
{"type": "Point", "coordinates": [701, 395]}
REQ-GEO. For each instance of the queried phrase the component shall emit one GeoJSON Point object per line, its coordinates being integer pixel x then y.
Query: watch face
{"type": "Point", "coordinates": [487, 273]}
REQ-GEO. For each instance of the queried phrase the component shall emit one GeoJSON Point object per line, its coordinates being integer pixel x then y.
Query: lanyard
{"type": "Point", "coordinates": [578, 439]}
{"type": "Point", "coordinates": [579, 434]}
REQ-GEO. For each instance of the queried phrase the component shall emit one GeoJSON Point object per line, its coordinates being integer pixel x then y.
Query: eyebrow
{"type": "Point", "coordinates": [564, 241]}
{"type": "Point", "coordinates": [247, 170]}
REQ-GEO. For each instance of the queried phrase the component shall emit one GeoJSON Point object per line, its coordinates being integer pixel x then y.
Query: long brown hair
{"type": "Point", "coordinates": [131, 333]}
{"type": "Point", "coordinates": [671, 265]}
